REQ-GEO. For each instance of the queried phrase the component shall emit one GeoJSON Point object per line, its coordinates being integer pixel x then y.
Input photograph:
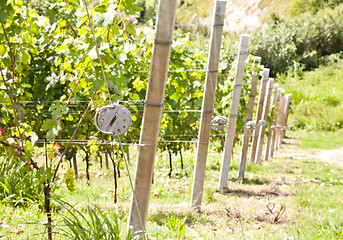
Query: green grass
{"type": "Point", "coordinates": [317, 101]}
{"type": "Point", "coordinates": [319, 139]}
{"type": "Point", "coordinates": [311, 189]}
{"type": "Point", "coordinates": [28, 221]}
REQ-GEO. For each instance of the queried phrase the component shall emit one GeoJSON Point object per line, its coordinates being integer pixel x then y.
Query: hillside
{"type": "Point", "coordinates": [241, 16]}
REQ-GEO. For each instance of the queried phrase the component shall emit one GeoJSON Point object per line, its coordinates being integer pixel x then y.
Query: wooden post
{"type": "Point", "coordinates": [264, 118]}
{"type": "Point", "coordinates": [152, 114]}
{"type": "Point", "coordinates": [207, 104]}
{"type": "Point", "coordinates": [273, 127]}
{"type": "Point", "coordinates": [231, 127]}
{"type": "Point", "coordinates": [259, 111]}
{"type": "Point", "coordinates": [286, 110]}
{"type": "Point", "coordinates": [270, 128]}
{"type": "Point", "coordinates": [247, 129]}
{"type": "Point", "coordinates": [288, 106]}
{"type": "Point", "coordinates": [279, 121]}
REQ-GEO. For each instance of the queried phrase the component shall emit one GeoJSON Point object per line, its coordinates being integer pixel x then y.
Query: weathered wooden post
{"type": "Point", "coordinates": [259, 111]}
{"type": "Point", "coordinates": [270, 127]}
{"type": "Point", "coordinates": [289, 96]}
{"type": "Point", "coordinates": [207, 104]}
{"type": "Point", "coordinates": [264, 118]}
{"type": "Point", "coordinates": [285, 117]}
{"type": "Point", "coordinates": [279, 121]}
{"type": "Point", "coordinates": [231, 127]}
{"type": "Point", "coordinates": [248, 129]}
{"type": "Point", "coordinates": [152, 114]}
{"type": "Point", "coordinates": [274, 128]}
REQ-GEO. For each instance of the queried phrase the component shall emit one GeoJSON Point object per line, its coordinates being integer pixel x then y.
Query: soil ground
{"type": "Point", "coordinates": [258, 205]}
{"type": "Point", "coordinates": [331, 156]}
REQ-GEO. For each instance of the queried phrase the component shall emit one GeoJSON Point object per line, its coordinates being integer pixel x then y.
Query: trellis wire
{"type": "Point", "coordinates": [143, 71]}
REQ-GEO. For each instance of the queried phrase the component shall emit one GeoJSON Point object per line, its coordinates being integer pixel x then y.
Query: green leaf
{"type": "Point", "coordinates": [100, 8]}
{"type": "Point", "coordinates": [6, 11]}
{"type": "Point", "coordinates": [115, 29]}
{"type": "Point", "coordinates": [25, 57]}
{"type": "Point", "coordinates": [28, 146]}
{"type": "Point", "coordinates": [48, 124]}
{"type": "Point", "coordinates": [57, 110]}
{"type": "Point", "coordinates": [83, 83]}
{"type": "Point", "coordinates": [51, 127]}
{"type": "Point", "coordinates": [107, 18]}
{"type": "Point", "coordinates": [98, 83]}
{"type": "Point", "coordinates": [53, 132]}
{"type": "Point", "coordinates": [113, 88]}
{"type": "Point", "coordinates": [138, 84]}
{"type": "Point", "coordinates": [135, 97]}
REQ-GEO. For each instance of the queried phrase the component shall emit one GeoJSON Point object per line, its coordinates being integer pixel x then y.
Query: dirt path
{"type": "Point", "coordinates": [291, 150]}
{"type": "Point", "coordinates": [333, 156]}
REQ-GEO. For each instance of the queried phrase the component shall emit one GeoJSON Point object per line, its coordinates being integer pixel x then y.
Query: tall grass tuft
{"type": "Point", "coordinates": [19, 185]}
{"type": "Point", "coordinates": [91, 224]}
{"type": "Point", "coordinates": [329, 230]}
{"type": "Point", "coordinates": [177, 225]}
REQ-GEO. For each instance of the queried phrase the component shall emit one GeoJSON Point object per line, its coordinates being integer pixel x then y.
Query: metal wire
{"type": "Point", "coordinates": [97, 52]}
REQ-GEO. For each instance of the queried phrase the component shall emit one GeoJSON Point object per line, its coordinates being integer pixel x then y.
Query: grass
{"type": "Point", "coordinates": [310, 189]}
{"type": "Point", "coordinates": [320, 139]}
{"type": "Point", "coordinates": [317, 102]}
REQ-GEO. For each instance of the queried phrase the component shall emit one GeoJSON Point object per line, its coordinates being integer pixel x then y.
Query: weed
{"type": "Point", "coordinates": [19, 185]}
{"type": "Point", "coordinates": [93, 224]}
{"type": "Point", "coordinates": [177, 225]}
{"type": "Point", "coordinates": [210, 195]}
{"type": "Point", "coordinates": [329, 230]}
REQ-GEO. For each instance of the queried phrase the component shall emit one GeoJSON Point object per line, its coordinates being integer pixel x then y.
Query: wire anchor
{"type": "Point", "coordinates": [113, 119]}
{"type": "Point", "coordinates": [219, 123]}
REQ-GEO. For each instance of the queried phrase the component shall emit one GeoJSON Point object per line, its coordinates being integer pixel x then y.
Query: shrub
{"type": "Point", "coordinates": [306, 39]}
{"type": "Point", "coordinates": [276, 45]}
{"type": "Point", "coordinates": [313, 6]}
{"type": "Point", "coordinates": [19, 185]}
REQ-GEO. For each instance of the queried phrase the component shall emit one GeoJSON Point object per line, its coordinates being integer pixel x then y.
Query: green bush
{"type": "Point", "coordinates": [313, 6]}
{"type": "Point", "coordinates": [177, 225]}
{"type": "Point", "coordinates": [307, 39]}
{"type": "Point", "coordinates": [19, 185]}
{"type": "Point", "coordinates": [276, 45]}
